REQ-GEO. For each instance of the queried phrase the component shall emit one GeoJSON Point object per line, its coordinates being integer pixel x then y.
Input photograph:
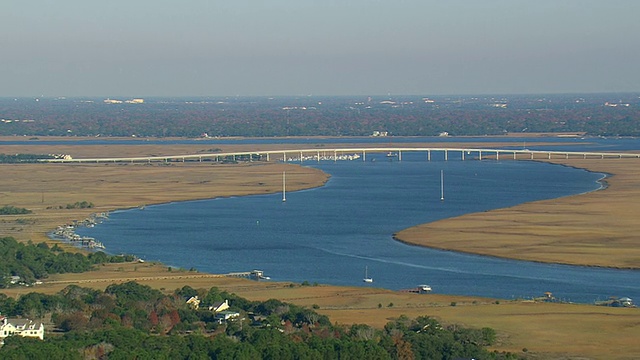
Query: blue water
{"type": "Point", "coordinates": [329, 234]}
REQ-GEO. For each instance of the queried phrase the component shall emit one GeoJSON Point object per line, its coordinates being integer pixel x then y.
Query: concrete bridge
{"type": "Point", "coordinates": [301, 155]}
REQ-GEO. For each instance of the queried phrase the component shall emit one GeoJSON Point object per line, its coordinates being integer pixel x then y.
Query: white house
{"type": "Point", "coordinates": [20, 327]}
{"type": "Point", "coordinates": [224, 316]}
{"type": "Point", "coordinates": [194, 302]}
{"type": "Point", "coordinates": [219, 306]}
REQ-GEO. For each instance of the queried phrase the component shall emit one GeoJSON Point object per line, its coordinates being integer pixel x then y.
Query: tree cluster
{"type": "Point", "coordinates": [135, 321]}
{"type": "Point", "coordinates": [12, 210]}
{"type": "Point", "coordinates": [31, 262]}
{"type": "Point", "coordinates": [80, 205]}
{"type": "Point", "coordinates": [22, 158]}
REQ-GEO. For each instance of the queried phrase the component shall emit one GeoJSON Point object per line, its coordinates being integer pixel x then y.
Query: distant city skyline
{"type": "Point", "coordinates": [303, 47]}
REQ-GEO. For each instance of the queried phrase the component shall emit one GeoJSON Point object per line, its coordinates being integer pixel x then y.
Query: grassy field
{"type": "Point", "coordinates": [591, 229]}
{"type": "Point", "coordinates": [594, 229]}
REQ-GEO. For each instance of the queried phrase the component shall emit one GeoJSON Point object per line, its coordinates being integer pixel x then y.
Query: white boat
{"type": "Point", "coordinates": [367, 279]}
{"type": "Point", "coordinates": [424, 288]}
{"type": "Point", "coordinates": [284, 187]}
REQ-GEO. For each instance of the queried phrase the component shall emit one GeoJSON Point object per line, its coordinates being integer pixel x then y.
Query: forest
{"type": "Point", "coordinates": [590, 114]}
{"type": "Point", "coordinates": [31, 262]}
{"type": "Point", "coordinates": [134, 321]}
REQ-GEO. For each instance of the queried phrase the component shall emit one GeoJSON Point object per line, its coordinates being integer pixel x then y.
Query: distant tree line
{"type": "Point", "coordinates": [22, 158]}
{"type": "Point", "coordinates": [596, 114]}
{"type": "Point", "coordinates": [133, 321]}
{"type": "Point", "coordinates": [33, 262]}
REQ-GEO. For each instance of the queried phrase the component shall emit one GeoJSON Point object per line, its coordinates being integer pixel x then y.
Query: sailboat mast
{"type": "Point", "coordinates": [441, 185]}
{"type": "Point", "coordinates": [284, 187]}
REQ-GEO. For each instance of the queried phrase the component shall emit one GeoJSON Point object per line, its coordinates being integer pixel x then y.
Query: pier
{"type": "Point", "coordinates": [254, 274]}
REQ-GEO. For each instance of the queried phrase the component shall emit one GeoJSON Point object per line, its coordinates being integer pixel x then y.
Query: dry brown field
{"type": "Point", "coordinates": [591, 229]}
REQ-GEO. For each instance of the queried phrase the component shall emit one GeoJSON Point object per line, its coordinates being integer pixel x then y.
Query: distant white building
{"type": "Point", "coordinates": [380, 133]}
{"type": "Point", "coordinates": [20, 327]}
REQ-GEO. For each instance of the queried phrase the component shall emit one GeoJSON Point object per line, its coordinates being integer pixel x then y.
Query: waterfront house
{"type": "Point", "coordinates": [626, 302]}
{"type": "Point", "coordinates": [20, 327]}
{"type": "Point", "coordinates": [226, 315]}
{"type": "Point", "coordinates": [219, 306]}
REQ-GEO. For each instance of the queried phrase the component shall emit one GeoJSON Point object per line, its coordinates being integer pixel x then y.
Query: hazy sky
{"type": "Point", "coordinates": [318, 47]}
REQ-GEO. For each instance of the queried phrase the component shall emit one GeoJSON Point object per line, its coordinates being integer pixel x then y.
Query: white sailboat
{"type": "Point", "coordinates": [284, 187]}
{"type": "Point", "coordinates": [441, 185]}
{"type": "Point", "coordinates": [367, 279]}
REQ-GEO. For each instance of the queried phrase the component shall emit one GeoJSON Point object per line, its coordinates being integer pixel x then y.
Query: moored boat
{"type": "Point", "coordinates": [367, 279]}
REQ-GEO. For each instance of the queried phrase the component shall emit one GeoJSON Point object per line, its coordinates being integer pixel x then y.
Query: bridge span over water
{"type": "Point", "coordinates": [301, 155]}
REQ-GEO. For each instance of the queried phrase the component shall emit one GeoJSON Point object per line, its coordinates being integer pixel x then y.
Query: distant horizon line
{"type": "Point", "coordinates": [313, 96]}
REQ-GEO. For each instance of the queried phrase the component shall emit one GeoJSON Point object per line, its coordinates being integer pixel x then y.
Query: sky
{"type": "Point", "coordinates": [141, 48]}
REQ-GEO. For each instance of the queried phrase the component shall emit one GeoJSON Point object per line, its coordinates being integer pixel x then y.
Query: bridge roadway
{"type": "Point", "coordinates": [342, 153]}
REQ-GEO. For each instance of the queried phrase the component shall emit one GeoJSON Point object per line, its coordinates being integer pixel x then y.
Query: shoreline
{"type": "Point", "coordinates": [602, 181]}
{"type": "Point", "coordinates": [548, 330]}
{"type": "Point", "coordinates": [407, 236]}
{"type": "Point", "coordinates": [540, 224]}
{"type": "Point", "coordinates": [603, 186]}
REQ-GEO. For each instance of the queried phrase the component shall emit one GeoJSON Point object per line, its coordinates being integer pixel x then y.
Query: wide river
{"type": "Point", "coordinates": [331, 234]}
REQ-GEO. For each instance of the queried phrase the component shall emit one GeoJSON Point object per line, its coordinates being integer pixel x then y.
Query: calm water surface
{"type": "Point", "coordinates": [330, 234]}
